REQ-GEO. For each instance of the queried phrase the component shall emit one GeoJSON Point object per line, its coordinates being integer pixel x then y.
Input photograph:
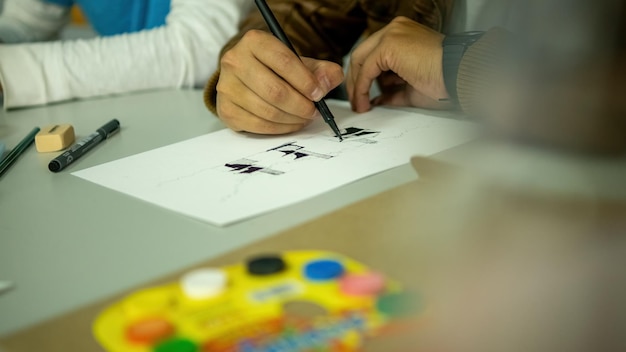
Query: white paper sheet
{"type": "Point", "coordinates": [224, 177]}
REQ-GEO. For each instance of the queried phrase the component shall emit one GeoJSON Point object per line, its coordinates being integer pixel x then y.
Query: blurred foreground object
{"type": "Point", "coordinates": [516, 249]}
{"type": "Point", "coordinates": [566, 82]}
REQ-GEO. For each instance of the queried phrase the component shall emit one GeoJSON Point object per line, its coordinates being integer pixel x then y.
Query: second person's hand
{"type": "Point", "coordinates": [265, 88]}
{"type": "Point", "coordinates": [405, 58]}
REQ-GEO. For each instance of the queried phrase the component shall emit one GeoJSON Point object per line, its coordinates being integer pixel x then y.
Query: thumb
{"type": "Point", "coordinates": [328, 74]}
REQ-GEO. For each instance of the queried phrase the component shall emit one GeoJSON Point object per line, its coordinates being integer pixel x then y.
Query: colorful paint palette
{"type": "Point", "coordinates": [295, 301]}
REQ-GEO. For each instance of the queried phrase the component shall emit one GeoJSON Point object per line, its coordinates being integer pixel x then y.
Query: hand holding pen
{"type": "Point", "coordinates": [264, 87]}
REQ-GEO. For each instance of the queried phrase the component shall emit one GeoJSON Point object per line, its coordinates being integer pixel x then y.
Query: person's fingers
{"type": "Point", "coordinates": [286, 64]}
{"type": "Point", "coordinates": [372, 67]}
{"type": "Point", "coordinates": [242, 120]}
{"type": "Point", "coordinates": [410, 50]}
{"type": "Point", "coordinates": [274, 91]}
{"type": "Point", "coordinates": [329, 74]}
{"type": "Point", "coordinates": [240, 65]}
{"type": "Point", "coordinates": [266, 88]}
{"type": "Point", "coordinates": [247, 99]}
{"type": "Point", "coordinates": [357, 58]}
{"type": "Point", "coordinates": [374, 57]}
{"type": "Point", "coordinates": [364, 49]}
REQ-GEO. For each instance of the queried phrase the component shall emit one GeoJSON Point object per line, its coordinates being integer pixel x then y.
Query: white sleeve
{"type": "Point", "coordinates": [181, 54]}
{"type": "Point", "coordinates": [31, 20]}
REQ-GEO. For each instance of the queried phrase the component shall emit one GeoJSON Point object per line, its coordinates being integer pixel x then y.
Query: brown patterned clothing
{"type": "Point", "coordinates": [328, 29]}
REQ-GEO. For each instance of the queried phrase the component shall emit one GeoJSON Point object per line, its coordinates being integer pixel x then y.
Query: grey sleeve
{"type": "Point", "coordinates": [31, 21]}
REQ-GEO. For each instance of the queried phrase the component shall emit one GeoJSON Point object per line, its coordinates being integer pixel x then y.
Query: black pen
{"type": "Point", "coordinates": [275, 28]}
{"type": "Point", "coordinates": [18, 150]}
{"type": "Point", "coordinates": [80, 148]}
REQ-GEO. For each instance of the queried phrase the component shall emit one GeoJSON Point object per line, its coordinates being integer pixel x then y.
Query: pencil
{"type": "Point", "coordinates": [17, 151]}
{"type": "Point", "coordinates": [278, 32]}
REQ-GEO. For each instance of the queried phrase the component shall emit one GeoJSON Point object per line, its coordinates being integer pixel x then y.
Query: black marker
{"type": "Point", "coordinates": [17, 151]}
{"type": "Point", "coordinates": [278, 32]}
{"type": "Point", "coordinates": [77, 150]}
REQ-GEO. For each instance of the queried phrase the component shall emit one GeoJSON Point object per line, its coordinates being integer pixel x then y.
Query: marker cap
{"type": "Point", "coordinates": [110, 128]}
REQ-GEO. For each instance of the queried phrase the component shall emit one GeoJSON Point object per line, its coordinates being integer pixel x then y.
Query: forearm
{"type": "Point", "coordinates": [31, 21]}
{"type": "Point", "coordinates": [183, 53]}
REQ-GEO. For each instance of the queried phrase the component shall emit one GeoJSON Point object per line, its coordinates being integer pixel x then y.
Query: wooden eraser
{"type": "Point", "coordinates": [54, 138]}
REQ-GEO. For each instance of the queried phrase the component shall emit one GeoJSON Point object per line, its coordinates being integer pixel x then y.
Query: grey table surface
{"type": "Point", "coordinates": [66, 242]}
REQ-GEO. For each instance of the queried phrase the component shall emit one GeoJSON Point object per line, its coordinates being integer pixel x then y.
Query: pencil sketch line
{"type": "Point", "coordinates": [182, 177]}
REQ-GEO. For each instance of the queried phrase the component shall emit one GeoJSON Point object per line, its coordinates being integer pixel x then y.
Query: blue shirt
{"type": "Point", "coordinates": [111, 17]}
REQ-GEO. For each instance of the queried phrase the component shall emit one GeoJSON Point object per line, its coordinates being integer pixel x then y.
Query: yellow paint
{"type": "Point", "coordinates": [249, 306]}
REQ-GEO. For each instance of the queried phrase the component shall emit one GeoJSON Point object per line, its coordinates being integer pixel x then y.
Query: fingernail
{"type": "Point", "coordinates": [317, 94]}
{"type": "Point", "coordinates": [326, 83]}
